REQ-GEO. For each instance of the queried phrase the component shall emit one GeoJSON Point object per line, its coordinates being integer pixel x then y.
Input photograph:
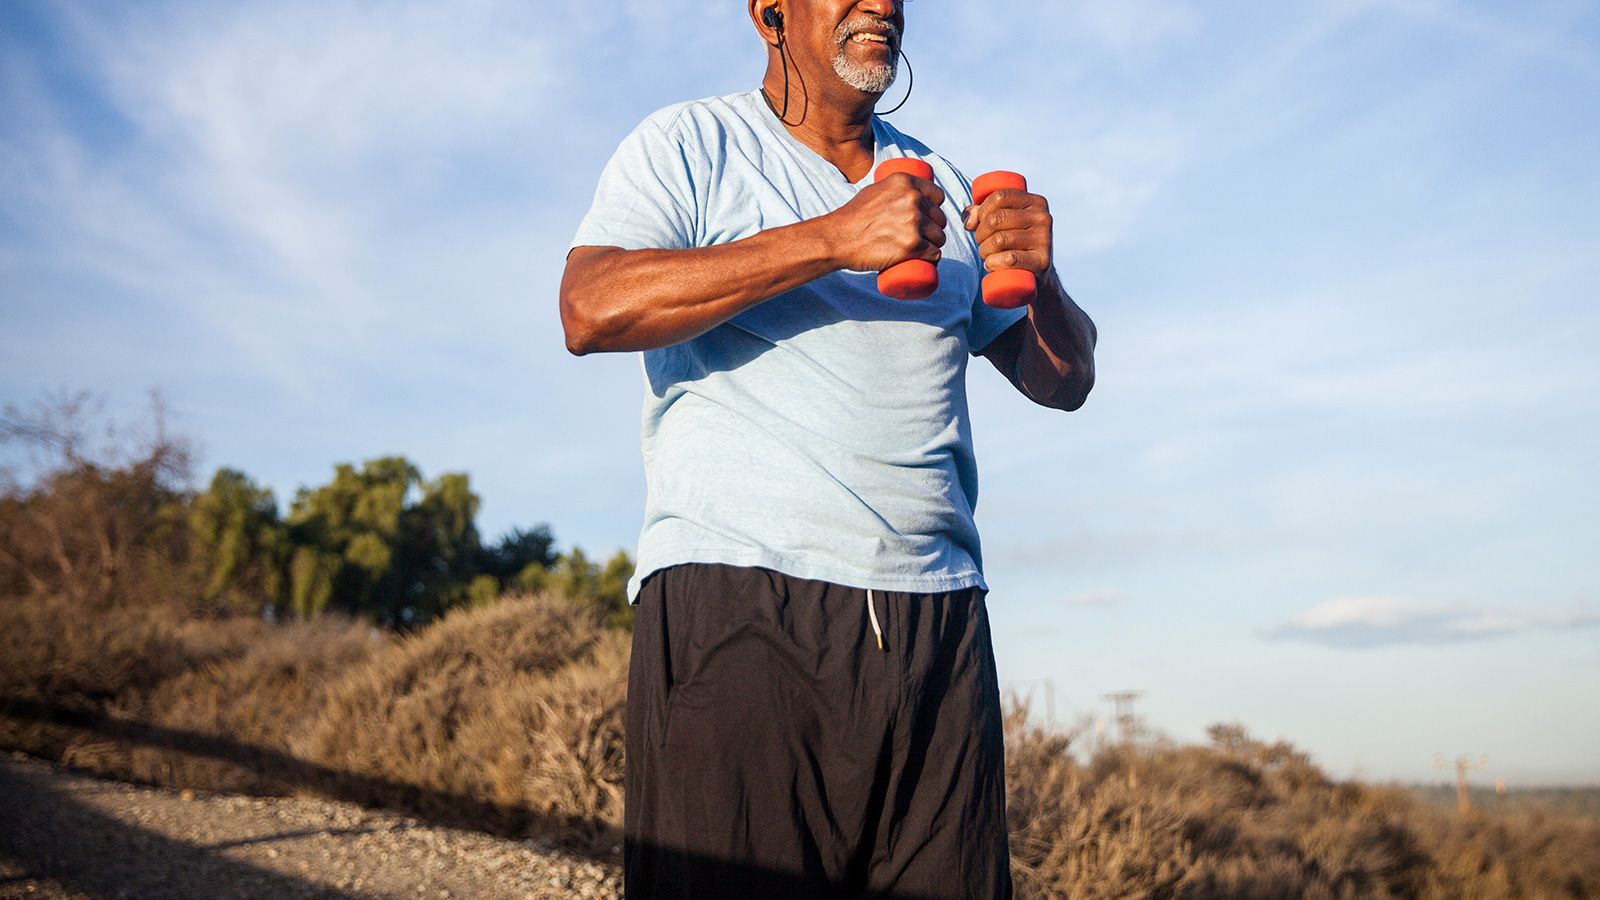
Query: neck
{"type": "Point", "coordinates": [835, 120]}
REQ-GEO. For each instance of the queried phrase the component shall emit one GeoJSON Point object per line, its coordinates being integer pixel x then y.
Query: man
{"type": "Point", "coordinates": [812, 703]}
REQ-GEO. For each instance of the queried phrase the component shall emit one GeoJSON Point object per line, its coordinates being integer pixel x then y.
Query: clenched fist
{"type": "Point", "coordinates": [1013, 230]}
{"type": "Point", "coordinates": [889, 221]}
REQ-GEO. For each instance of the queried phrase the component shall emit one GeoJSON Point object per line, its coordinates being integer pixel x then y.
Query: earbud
{"type": "Point", "coordinates": [772, 18]}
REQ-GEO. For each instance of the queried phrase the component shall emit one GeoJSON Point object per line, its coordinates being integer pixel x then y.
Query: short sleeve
{"type": "Point", "coordinates": [646, 195]}
{"type": "Point", "coordinates": [987, 322]}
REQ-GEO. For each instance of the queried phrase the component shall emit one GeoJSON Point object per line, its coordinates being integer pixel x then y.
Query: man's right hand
{"type": "Point", "coordinates": [614, 299]}
{"type": "Point", "coordinates": [889, 221]}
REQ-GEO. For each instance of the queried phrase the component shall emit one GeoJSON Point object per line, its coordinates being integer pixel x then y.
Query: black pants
{"type": "Point", "coordinates": [775, 751]}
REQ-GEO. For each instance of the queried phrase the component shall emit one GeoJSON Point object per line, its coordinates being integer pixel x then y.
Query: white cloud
{"type": "Point", "coordinates": [296, 180]}
{"type": "Point", "coordinates": [1098, 600]}
{"type": "Point", "coordinates": [1373, 621]}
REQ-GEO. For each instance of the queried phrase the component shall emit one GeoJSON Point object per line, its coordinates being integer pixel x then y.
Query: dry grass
{"type": "Point", "coordinates": [517, 706]}
{"type": "Point", "coordinates": [506, 717]}
{"type": "Point", "coordinates": [1249, 819]}
{"type": "Point", "coordinates": [509, 718]}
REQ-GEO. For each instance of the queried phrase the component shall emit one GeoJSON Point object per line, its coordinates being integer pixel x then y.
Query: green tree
{"type": "Point", "coordinates": [239, 546]}
{"type": "Point", "coordinates": [311, 581]}
{"type": "Point", "coordinates": [575, 575]}
{"type": "Point", "coordinates": [346, 533]}
{"type": "Point", "coordinates": [383, 542]}
{"type": "Point", "coordinates": [438, 547]}
{"type": "Point", "coordinates": [517, 550]}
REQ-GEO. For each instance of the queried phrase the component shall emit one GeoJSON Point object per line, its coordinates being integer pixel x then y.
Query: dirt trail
{"type": "Point", "coordinates": [64, 834]}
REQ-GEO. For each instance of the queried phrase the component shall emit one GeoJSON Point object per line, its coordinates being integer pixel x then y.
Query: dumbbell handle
{"type": "Point", "coordinates": [1004, 288]}
{"type": "Point", "coordinates": [912, 279]}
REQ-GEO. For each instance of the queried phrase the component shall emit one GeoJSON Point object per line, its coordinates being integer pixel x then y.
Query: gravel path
{"type": "Point", "coordinates": [64, 834]}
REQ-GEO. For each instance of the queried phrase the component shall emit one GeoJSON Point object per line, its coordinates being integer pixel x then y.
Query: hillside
{"type": "Point", "coordinates": [505, 719]}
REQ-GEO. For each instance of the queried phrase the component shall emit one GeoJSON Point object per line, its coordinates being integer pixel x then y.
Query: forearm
{"type": "Point", "coordinates": [1056, 365]}
{"type": "Point", "coordinates": [624, 300]}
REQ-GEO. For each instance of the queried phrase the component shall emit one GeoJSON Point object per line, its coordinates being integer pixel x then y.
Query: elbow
{"type": "Point", "coordinates": [1073, 393]}
{"type": "Point", "coordinates": [579, 342]}
{"type": "Point", "coordinates": [591, 321]}
{"type": "Point", "coordinates": [577, 326]}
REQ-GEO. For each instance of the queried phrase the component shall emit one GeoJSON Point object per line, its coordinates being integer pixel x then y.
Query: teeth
{"type": "Point", "coordinates": [867, 36]}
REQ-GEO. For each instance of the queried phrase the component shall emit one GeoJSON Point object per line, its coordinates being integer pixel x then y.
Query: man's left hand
{"type": "Point", "coordinates": [1013, 230]}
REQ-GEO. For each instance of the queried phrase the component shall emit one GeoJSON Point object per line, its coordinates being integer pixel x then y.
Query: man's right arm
{"type": "Point", "coordinates": [618, 300]}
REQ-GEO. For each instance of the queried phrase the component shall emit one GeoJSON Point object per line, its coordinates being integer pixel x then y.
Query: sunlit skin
{"type": "Point", "coordinates": [623, 300]}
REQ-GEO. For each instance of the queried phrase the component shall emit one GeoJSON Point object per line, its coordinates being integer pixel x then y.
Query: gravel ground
{"type": "Point", "coordinates": [64, 834]}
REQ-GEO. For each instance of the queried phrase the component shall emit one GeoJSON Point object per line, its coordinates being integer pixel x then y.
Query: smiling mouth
{"type": "Point", "coordinates": [872, 39]}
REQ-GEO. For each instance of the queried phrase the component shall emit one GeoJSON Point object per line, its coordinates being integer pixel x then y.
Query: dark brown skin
{"type": "Point", "coordinates": [622, 300]}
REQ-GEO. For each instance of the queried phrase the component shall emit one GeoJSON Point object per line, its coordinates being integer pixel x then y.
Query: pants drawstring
{"type": "Point", "coordinates": [872, 613]}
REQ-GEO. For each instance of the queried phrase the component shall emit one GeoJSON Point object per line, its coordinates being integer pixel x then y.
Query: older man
{"type": "Point", "coordinates": [812, 702]}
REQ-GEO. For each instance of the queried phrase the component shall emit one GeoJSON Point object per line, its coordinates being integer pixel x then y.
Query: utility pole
{"type": "Point", "coordinates": [1127, 723]}
{"type": "Point", "coordinates": [1463, 763]}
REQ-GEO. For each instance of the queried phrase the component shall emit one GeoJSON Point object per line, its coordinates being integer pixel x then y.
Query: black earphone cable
{"type": "Point", "coordinates": [774, 20]}
{"type": "Point", "coordinates": [783, 53]}
{"type": "Point", "coordinates": [911, 82]}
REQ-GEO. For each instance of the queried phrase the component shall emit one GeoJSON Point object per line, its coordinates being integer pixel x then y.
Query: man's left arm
{"type": "Point", "coordinates": [1049, 355]}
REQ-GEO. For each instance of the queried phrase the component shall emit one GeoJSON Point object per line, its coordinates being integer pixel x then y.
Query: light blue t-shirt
{"type": "Point", "coordinates": [824, 432]}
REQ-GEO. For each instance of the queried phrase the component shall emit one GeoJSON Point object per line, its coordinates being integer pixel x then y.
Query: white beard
{"type": "Point", "coordinates": [870, 79]}
{"type": "Point", "coordinates": [873, 79]}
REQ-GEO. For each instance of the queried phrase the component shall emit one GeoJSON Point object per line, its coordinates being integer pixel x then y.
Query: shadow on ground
{"type": "Point", "coordinates": [291, 773]}
{"type": "Point", "coordinates": [51, 840]}
{"type": "Point", "coordinates": [114, 860]}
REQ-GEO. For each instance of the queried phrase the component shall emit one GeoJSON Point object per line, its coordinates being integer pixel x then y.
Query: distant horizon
{"type": "Point", "coordinates": [1336, 480]}
{"type": "Point", "coordinates": [1482, 778]}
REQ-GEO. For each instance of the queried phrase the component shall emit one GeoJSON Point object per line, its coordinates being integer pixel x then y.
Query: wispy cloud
{"type": "Point", "coordinates": [1520, 35]}
{"type": "Point", "coordinates": [277, 168]}
{"type": "Point", "coordinates": [1364, 622]}
{"type": "Point", "coordinates": [1098, 600]}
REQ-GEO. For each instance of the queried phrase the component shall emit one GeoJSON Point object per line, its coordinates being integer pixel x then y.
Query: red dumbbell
{"type": "Point", "coordinates": [1004, 288]}
{"type": "Point", "coordinates": [914, 278]}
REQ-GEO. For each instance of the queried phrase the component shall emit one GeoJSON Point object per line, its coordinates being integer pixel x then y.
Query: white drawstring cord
{"type": "Point", "coordinates": [873, 614]}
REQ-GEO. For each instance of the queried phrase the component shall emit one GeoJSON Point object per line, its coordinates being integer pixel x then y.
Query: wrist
{"type": "Point", "coordinates": [1050, 282]}
{"type": "Point", "coordinates": [826, 247]}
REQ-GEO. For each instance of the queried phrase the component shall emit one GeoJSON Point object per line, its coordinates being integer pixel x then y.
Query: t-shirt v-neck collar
{"type": "Point", "coordinates": [811, 157]}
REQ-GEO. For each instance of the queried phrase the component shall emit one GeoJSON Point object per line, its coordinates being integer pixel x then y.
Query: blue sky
{"type": "Point", "coordinates": [1337, 480]}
